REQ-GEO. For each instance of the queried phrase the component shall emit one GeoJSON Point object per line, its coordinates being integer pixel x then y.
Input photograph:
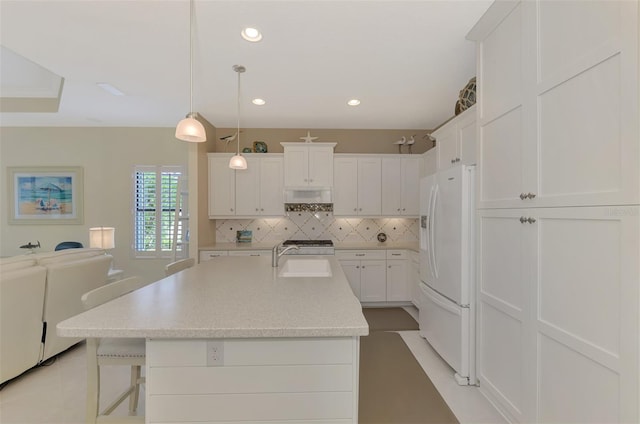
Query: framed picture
{"type": "Point", "coordinates": [45, 195]}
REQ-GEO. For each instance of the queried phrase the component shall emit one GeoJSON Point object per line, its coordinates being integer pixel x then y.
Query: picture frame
{"type": "Point", "coordinates": [45, 195]}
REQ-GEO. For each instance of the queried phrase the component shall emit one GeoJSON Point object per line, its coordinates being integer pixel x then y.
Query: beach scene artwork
{"type": "Point", "coordinates": [46, 195]}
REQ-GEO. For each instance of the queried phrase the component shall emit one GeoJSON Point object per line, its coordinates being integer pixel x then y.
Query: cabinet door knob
{"type": "Point", "coordinates": [531, 195]}
{"type": "Point", "coordinates": [523, 219]}
{"type": "Point", "coordinates": [355, 209]}
{"type": "Point", "coordinates": [261, 210]}
{"type": "Point", "coordinates": [231, 209]}
{"type": "Point", "coordinates": [360, 209]}
{"type": "Point", "coordinates": [523, 196]}
{"type": "Point", "coordinates": [531, 220]}
{"type": "Point", "coordinates": [362, 266]}
{"type": "Point", "coordinates": [305, 180]}
{"type": "Point", "coordinates": [256, 209]}
{"type": "Point", "coordinates": [403, 209]}
{"type": "Point", "coordinates": [457, 159]}
{"type": "Point", "coordinates": [310, 180]}
{"type": "Point", "coordinates": [389, 266]}
{"type": "Point", "coordinates": [453, 161]}
{"type": "Point", "coordinates": [357, 266]}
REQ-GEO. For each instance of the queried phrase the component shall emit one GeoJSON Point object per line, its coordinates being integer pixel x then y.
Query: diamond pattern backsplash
{"type": "Point", "coordinates": [318, 226]}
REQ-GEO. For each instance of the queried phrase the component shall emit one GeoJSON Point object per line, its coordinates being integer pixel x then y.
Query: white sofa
{"type": "Point", "coordinates": [36, 293]}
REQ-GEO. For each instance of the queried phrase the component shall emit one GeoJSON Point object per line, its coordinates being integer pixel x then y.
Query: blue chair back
{"type": "Point", "coordinates": [69, 245]}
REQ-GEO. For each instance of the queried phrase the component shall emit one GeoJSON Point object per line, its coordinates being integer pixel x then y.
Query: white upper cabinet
{"type": "Point", "coordinates": [558, 114]}
{"type": "Point", "coordinates": [400, 180]}
{"type": "Point", "coordinates": [430, 162]}
{"type": "Point", "coordinates": [357, 185]}
{"type": "Point", "coordinates": [222, 186]}
{"type": "Point", "coordinates": [308, 164]}
{"type": "Point", "coordinates": [456, 140]}
{"type": "Point", "coordinates": [259, 188]}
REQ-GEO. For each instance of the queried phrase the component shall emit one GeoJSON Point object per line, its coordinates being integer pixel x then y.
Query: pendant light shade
{"type": "Point", "coordinates": [190, 129]}
{"type": "Point", "coordinates": [238, 161]}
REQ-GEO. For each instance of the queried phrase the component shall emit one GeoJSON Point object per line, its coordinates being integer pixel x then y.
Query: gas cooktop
{"type": "Point", "coordinates": [310, 247]}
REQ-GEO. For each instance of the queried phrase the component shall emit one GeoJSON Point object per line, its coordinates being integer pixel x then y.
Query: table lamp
{"type": "Point", "coordinates": [102, 237]}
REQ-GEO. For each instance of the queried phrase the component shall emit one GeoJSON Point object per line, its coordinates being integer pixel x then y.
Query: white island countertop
{"type": "Point", "coordinates": [231, 297]}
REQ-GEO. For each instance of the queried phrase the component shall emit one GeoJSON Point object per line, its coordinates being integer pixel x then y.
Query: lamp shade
{"type": "Point", "coordinates": [238, 162]}
{"type": "Point", "coordinates": [190, 129]}
{"type": "Point", "coordinates": [102, 237]}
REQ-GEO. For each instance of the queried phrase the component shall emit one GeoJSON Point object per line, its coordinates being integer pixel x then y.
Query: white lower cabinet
{"type": "Point", "coordinates": [397, 278]}
{"type": "Point", "coordinates": [543, 354]}
{"type": "Point", "coordinates": [377, 275]}
{"type": "Point", "coordinates": [414, 278]}
{"type": "Point", "coordinates": [207, 255]}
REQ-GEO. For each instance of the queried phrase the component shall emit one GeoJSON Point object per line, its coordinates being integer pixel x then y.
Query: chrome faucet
{"type": "Point", "coordinates": [276, 252]}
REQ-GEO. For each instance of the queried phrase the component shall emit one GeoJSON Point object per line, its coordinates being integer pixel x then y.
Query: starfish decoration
{"type": "Point", "coordinates": [308, 138]}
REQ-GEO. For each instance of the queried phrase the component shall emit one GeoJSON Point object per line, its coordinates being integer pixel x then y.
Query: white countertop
{"type": "Point", "coordinates": [231, 297]}
{"type": "Point", "coordinates": [405, 245]}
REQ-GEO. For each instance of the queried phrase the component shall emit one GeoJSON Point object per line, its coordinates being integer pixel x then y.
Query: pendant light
{"type": "Point", "coordinates": [190, 129]}
{"type": "Point", "coordinates": [238, 161]}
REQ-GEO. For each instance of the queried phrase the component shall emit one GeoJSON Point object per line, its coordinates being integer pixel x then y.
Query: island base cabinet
{"type": "Point", "coordinates": [252, 380]}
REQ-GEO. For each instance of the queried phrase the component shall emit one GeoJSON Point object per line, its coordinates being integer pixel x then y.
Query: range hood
{"type": "Point", "coordinates": [312, 199]}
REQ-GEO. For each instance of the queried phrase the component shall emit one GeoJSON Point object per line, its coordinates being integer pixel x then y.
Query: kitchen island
{"type": "Point", "coordinates": [232, 340]}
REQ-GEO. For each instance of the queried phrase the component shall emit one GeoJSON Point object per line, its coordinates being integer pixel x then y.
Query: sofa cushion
{"type": "Point", "coordinates": [67, 255]}
{"type": "Point", "coordinates": [17, 262]}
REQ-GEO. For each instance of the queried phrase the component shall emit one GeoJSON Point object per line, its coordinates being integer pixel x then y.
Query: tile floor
{"type": "Point", "coordinates": [56, 393]}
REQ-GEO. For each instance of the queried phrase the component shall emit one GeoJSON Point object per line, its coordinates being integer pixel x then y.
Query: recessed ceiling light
{"type": "Point", "coordinates": [251, 34]}
{"type": "Point", "coordinates": [259, 102]}
{"type": "Point", "coordinates": [109, 88]}
{"type": "Point", "coordinates": [353, 102]}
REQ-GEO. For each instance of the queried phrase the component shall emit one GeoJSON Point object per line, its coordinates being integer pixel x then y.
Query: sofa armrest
{"type": "Point", "coordinates": [66, 283]}
{"type": "Point", "coordinates": [21, 300]}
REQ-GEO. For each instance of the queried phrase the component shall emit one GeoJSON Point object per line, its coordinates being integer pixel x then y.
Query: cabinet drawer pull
{"type": "Point", "coordinates": [395, 254]}
{"type": "Point", "coordinates": [360, 254]}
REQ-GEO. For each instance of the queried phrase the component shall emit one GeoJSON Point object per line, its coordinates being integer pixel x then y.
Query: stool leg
{"type": "Point", "coordinates": [93, 381]}
{"type": "Point", "coordinates": [133, 398]}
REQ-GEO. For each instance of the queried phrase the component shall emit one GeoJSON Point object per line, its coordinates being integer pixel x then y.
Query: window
{"type": "Point", "coordinates": [156, 230]}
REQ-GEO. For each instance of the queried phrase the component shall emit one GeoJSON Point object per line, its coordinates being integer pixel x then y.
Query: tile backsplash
{"type": "Point", "coordinates": [318, 226]}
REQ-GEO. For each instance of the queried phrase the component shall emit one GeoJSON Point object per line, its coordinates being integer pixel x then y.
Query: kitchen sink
{"type": "Point", "coordinates": [302, 267]}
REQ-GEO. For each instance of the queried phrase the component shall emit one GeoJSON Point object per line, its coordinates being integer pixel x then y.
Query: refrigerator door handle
{"type": "Point", "coordinates": [432, 226]}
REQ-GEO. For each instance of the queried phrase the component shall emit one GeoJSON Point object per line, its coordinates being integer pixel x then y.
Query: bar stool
{"type": "Point", "coordinates": [113, 351]}
{"type": "Point", "coordinates": [179, 265]}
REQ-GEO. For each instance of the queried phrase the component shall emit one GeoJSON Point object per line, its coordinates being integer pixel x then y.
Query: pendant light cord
{"type": "Point", "coordinates": [238, 115]}
{"type": "Point", "coordinates": [191, 56]}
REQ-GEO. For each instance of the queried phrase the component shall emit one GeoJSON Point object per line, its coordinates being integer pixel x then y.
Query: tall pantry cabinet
{"type": "Point", "coordinates": [558, 195]}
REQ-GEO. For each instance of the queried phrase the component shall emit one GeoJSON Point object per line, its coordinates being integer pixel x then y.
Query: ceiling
{"type": "Point", "coordinates": [405, 60]}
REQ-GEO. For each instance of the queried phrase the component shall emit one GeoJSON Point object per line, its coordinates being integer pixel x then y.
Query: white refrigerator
{"type": "Point", "coordinates": [447, 305]}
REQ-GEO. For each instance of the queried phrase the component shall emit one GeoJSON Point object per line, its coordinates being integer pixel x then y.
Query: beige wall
{"type": "Point", "coordinates": [107, 156]}
{"type": "Point", "coordinates": [349, 141]}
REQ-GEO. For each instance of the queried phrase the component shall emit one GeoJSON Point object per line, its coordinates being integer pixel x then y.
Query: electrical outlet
{"type": "Point", "coordinates": [215, 353]}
